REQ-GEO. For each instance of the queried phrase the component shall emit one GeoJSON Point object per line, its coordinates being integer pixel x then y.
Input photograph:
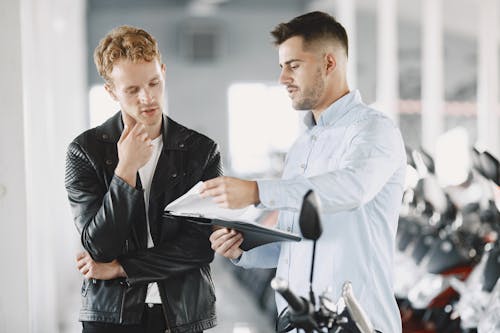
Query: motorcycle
{"type": "Point", "coordinates": [448, 257]}
{"type": "Point", "coordinates": [479, 302]}
{"type": "Point", "coordinates": [345, 316]}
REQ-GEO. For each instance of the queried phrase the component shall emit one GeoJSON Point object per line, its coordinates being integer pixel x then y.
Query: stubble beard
{"type": "Point", "coordinates": [310, 98]}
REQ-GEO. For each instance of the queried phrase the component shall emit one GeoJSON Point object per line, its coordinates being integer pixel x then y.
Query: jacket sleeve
{"type": "Point", "coordinates": [190, 249]}
{"type": "Point", "coordinates": [102, 216]}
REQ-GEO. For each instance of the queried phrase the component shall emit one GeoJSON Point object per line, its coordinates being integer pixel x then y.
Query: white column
{"type": "Point", "coordinates": [432, 73]}
{"type": "Point", "coordinates": [346, 15]}
{"type": "Point", "coordinates": [54, 76]}
{"type": "Point", "coordinates": [487, 98]}
{"type": "Point", "coordinates": [387, 58]}
{"type": "Point", "coordinates": [14, 305]}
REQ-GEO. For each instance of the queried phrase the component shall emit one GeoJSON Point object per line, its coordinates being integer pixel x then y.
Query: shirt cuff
{"type": "Point", "coordinates": [242, 261]}
{"type": "Point", "coordinates": [237, 260]}
{"type": "Point", "coordinates": [280, 193]}
{"type": "Point", "coordinates": [269, 193]}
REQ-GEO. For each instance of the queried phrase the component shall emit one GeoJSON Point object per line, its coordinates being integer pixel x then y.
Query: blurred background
{"type": "Point", "coordinates": [431, 65]}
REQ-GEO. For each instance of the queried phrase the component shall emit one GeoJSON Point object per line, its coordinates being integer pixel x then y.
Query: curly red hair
{"type": "Point", "coordinates": [124, 42]}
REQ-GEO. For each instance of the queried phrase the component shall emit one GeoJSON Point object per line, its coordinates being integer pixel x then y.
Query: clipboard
{"type": "Point", "coordinates": [253, 234]}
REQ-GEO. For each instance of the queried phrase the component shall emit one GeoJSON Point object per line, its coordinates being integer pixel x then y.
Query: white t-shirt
{"type": "Point", "coordinates": [146, 173]}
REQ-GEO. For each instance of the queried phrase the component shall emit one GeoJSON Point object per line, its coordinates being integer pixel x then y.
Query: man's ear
{"type": "Point", "coordinates": [163, 69]}
{"type": "Point", "coordinates": [331, 63]}
{"type": "Point", "coordinates": [109, 88]}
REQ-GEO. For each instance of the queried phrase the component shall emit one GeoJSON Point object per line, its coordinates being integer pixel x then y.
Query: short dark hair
{"type": "Point", "coordinates": [311, 27]}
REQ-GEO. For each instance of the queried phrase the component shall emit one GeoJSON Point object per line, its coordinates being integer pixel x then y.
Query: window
{"type": "Point", "coordinates": [262, 127]}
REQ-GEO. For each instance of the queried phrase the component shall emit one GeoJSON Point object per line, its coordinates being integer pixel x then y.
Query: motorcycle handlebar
{"type": "Point", "coordinates": [355, 310]}
{"type": "Point", "coordinates": [296, 304]}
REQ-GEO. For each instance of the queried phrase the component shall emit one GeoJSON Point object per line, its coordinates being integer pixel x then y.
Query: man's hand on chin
{"type": "Point", "coordinates": [98, 270]}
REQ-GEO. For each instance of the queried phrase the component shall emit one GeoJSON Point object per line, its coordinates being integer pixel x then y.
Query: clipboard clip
{"type": "Point", "coordinates": [197, 218]}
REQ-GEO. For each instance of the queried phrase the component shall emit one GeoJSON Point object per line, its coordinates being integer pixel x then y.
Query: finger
{"type": "Point", "coordinates": [143, 136]}
{"type": "Point", "coordinates": [125, 133]}
{"type": "Point", "coordinates": [81, 255]}
{"type": "Point", "coordinates": [84, 258]}
{"type": "Point", "coordinates": [81, 263]}
{"type": "Point", "coordinates": [216, 227]}
{"type": "Point", "coordinates": [217, 234]}
{"type": "Point", "coordinates": [136, 129]}
{"type": "Point", "coordinates": [220, 199]}
{"type": "Point", "coordinates": [211, 183]}
{"type": "Point", "coordinates": [213, 192]}
{"type": "Point", "coordinates": [224, 240]}
{"type": "Point", "coordinates": [226, 246]}
{"type": "Point", "coordinates": [234, 232]}
{"type": "Point", "coordinates": [141, 129]}
{"type": "Point", "coordinates": [223, 205]}
{"type": "Point", "coordinates": [234, 248]}
{"type": "Point", "coordinates": [84, 270]}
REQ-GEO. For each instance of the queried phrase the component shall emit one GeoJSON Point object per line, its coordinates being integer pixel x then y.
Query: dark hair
{"type": "Point", "coordinates": [312, 27]}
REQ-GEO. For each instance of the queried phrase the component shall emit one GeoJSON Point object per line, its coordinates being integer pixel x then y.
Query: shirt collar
{"type": "Point", "coordinates": [335, 111]}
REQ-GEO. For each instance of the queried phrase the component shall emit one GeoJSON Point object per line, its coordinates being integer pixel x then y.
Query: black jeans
{"type": "Point", "coordinates": [152, 321]}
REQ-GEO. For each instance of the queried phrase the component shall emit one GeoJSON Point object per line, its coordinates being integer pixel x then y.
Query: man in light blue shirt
{"type": "Point", "coordinates": [351, 156]}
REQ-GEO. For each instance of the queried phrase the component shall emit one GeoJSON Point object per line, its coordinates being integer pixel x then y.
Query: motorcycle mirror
{"type": "Point", "coordinates": [409, 157]}
{"type": "Point", "coordinates": [309, 221]}
{"type": "Point", "coordinates": [490, 167]}
{"type": "Point", "coordinates": [428, 161]}
{"type": "Point", "coordinates": [476, 161]}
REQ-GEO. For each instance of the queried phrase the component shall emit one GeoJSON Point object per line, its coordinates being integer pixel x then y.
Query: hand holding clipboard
{"type": "Point", "coordinates": [195, 209]}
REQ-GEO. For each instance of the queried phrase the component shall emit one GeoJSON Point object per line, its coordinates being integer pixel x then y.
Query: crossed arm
{"type": "Point", "coordinates": [104, 222]}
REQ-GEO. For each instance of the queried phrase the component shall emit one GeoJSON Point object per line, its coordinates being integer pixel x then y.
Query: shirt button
{"type": "Point", "coordinates": [313, 138]}
{"type": "Point", "coordinates": [109, 162]}
{"type": "Point", "coordinates": [302, 166]}
{"type": "Point", "coordinates": [105, 136]}
{"type": "Point", "coordinates": [288, 229]}
{"type": "Point", "coordinates": [271, 202]}
{"type": "Point", "coordinates": [181, 145]}
{"type": "Point", "coordinates": [174, 175]}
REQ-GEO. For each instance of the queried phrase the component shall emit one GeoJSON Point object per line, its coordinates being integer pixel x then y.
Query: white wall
{"type": "Point", "coordinates": [13, 235]}
{"type": "Point", "coordinates": [54, 67]}
{"type": "Point", "coordinates": [43, 97]}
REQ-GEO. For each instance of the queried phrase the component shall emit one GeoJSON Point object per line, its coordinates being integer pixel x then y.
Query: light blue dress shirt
{"type": "Point", "coordinates": [354, 160]}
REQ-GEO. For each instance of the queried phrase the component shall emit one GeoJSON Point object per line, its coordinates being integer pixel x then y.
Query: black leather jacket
{"type": "Point", "coordinates": [110, 217]}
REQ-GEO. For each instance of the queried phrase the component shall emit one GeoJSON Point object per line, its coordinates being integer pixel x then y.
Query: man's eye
{"type": "Point", "coordinates": [154, 83]}
{"type": "Point", "coordinates": [132, 91]}
{"type": "Point", "coordinates": [294, 67]}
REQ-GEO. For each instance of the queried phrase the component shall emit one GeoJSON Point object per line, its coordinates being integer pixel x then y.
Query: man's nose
{"type": "Point", "coordinates": [284, 78]}
{"type": "Point", "coordinates": [146, 96]}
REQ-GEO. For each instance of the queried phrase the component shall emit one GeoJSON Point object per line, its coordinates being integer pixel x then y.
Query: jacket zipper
{"type": "Point", "coordinates": [123, 301]}
{"type": "Point", "coordinates": [164, 306]}
{"type": "Point", "coordinates": [124, 285]}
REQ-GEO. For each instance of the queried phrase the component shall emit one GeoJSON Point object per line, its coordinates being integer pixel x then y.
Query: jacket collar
{"type": "Point", "coordinates": [174, 134]}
